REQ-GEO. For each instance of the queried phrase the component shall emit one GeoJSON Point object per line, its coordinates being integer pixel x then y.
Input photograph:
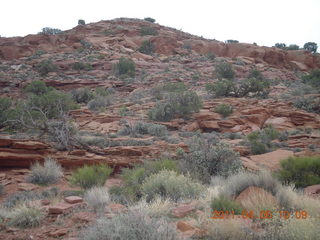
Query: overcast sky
{"type": "Point", "coordinates": [262, 21]}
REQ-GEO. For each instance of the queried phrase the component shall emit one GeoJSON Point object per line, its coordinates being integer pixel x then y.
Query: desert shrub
{"type": "Point", "coordinates": [232, 41]}
{"type": "Point", "coordinates": [311, 46]}
{"type": "Point", "coordinates": [134, 225]}
{"type": "Point", "coordinates": [223, 203]}
{"type": "Point", "coordinates": [103, 92]}
{"type": "Point", "coordinates": [1, 189]}
{"type": "Point", "coordinates": [211, 56]}
{"type": "Point", "coordinates": [97, 198]}
{"type": "Point", "coordinates": [235, 184]}
{"type": "Point", "coordinates": [224, 109]}
{"type": "Point", "coordinates": [50, 31]}
{"type": "Point", "coordinates": [89, 176]}
{"type": "Point", "coordinates": [301, 171]}
{"type": "Point", "coordinates": [149, 19]}
{"type": "Point", "coordinates": [253, 87]}
{"type": "Point", "coordinates": [144, 128]}
{"type": "Point", "coordinates": [260, 141]}
{"type": "Point", "coordinates": [255, 73]}
{"type": "Point", "coordinates": [46, 66]}
{"type": "Point", "coordinates": [161, 90]}
{"type": "Point", "coordinates": [309, 104]}
{"type": "Point", "coordinates": [99, 103]}
{"type": "Point", "coordinates": [133, 178]}
{"type": "Point", "coordinates": [37, 87]}
{"type": "Point", "coordinates": [293, 47]}
{"type": "Point", "coordinates": [98, 141]}
{"type": "Point", "coordinates": [82, 95]}
{"type": "Point", "coordinates": [125, 67]}
{"type": "Point", "coordinates": [181, 104]}
{"type": "Point", "coordinates": [209, 157]}
{"type": "Point", "coordinates": [280, 45]}
{"type": "Point", "coordinates": [170, 185]}
{"type": "Point", "coordinates": [45, 174]}
{"type": "Point", "coordinates": [313, 78]}
{"type": "Point", "coordinates": [5, 104]}
{"type": "Point", "coordinates": [146, 47]}
{"type": "Point", "coordinates": [145, 30]}
{"type": "Point", "coordinates": [222, 88]}
{"type": "Point", "coordinates": [81, 22]}
{"type": "Point", "coordinates": [82, 66]}
{"type": "Point", "coordinates": [224, 70]}
{"type": "Point", "coordinates": [62, 133]}
{"type": "Point", "coordinates": [26, 216]}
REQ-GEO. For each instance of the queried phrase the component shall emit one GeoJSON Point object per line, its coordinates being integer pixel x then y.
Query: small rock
{"type": "Point", "coordinates": [26, 186]}
{"type": "Point", "coordinates": [45, 202]}
{"type": "Point", "coordinates": [59, 208]}
{"type": "Point", "coordinates": [73, 199]}
{"type": "Point", "coordinates": [183, 210]}
{"type": "Point", "coordinates": [59, 233]}
{"type": "Point", "coordinates": [83, 217]}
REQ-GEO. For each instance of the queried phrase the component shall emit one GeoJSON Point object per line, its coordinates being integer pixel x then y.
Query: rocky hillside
{"type": "Point", "coordinates": [126, 92]}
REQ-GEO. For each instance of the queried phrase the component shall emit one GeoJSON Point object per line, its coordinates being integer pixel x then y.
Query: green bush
{"type": "Point", "coordinates": [125, 67]}
{"type": "Point", "coordinates": [133, 178]}
{"type": "Point", "coordinates": [134, 225]}
{"type": "Point", "coordinates": [280, 45]}
{"type": "Point", "coordinates": [253, 87]}
{"type": "Point", "coordinates": [149, 19]}
{"type": "Point", "coordinates": [145, 30]}
{"type": "Point", "coordinates": [309, 104]}
{"type": "Point", "coordinates": [50, 31]}
{"type": "Point", "coordinates": [301, 171]}
{"type": "Point", "coordinates": [181, 104]}
{"type": "Point", "coordinates": [1, 189]}
{"type": "Point", "coordinates": [255, 73]}
{"type": "Point", "coordinates": [146, 47]}
{"type": "Point", "coordinates": [261, 141]}
{"type": "Point", "coordinates": [311, 46]}
{"type": "Point", "coordinates": [222, 88]}
{"type": "Point", "coordinates": [37, 87]}
{"type": "Point", "coordinates": [224, 70]}
{"type": "Point", "coordinates": [144, 128]}
{"type": "Point", "coordinates": [5, 104]}
{"type": "Point", "coordinates": [99, 103]}
{"type": "Point", "coordinates": [81, 22]}
{"type": "Point", "coordinates": [223, 203]}
{"type": "Point", "coordinates": [232, 41]}
{"type": "Point", "coordinates": [46, 66]}
{"type": "Point", "coordinates": [224, 109]}
{"type": "Point", "coordinates": [161, 90]}
{"type": "Point", "coordinates": [82, 95]}
{"type": "Point", "coordinates": [90, 176]}
{"type": "Point", "coordinates": [49, 173]}
{"type": "Point", "coordinates": [27, 217]}
{"type": "Point", "coordinates": [170, 185]}
{"type": "Point", "coordinates": [313, 78]}
{"type": "Point", "coordinates": [82, 66]}
{"type": "Point", "coordinates": [211, 56]}
{"type": "Point", "coordinates": [293, 47]}
{"type": "Point", "coordinates": [209, 157]}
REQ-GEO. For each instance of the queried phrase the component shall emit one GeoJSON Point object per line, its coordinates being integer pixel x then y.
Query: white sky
{"type": "Point", "coordinates": [265, 22]}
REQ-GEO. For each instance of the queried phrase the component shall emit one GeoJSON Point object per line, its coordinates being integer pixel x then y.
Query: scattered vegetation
{"type": "Point", "coordinates": [82, 66]}
{"type": "Point", "coordinates": [209, 157]}
{"type": "Point", "coordinates": [260, 141]}
{"type": "Point", "coordinates": [170, 185]}
{"type": "Point", "coordinates": [134, 225]}
{"type": "Point", "coordinates": [224, 109]}
{"type": "Point", "coordinates": [82, 95]}
{"type": "Point", "coordinates": [49, 173]}
{"type": "Point", "coordinates": [145, 31]}
{"type": "Point", "coordinates": [162, 90]}
{"type": "Point", "coordinates": [149, 19]}
{"type": "Point", "coordinates": [124, 68]}
{"type": "Point", "coordinates": [141, 128]}
{"type": "Point", "coordinates": [97, 198]}
{"type": "Point", "coordinates": [313, 78]}
{"type": "Point", "coordinates": [134, 177]}
{"type": "Point", "coordinates": [181, 104]}
{"type": "Point", "coordinates": [301, 171]}
{"type": "Point", "coordinates": [146, 47]}
{"type": "Point", "coordinates": [223, 203]}
{"type": "Point", "coordinates": [232, 41]}
{"type": "Point", "coordinates": [46, 66]}
{"type": "Point", "coordinates": [99, 103]}
{"type": "Point", "coordinates": [26, 216]}
{"type": "Point", "coordinates": [50, 31]}
{"type": "Point", "coordinates": [90, 176]}
{"type": "Point", "coordinates": [224, 70]}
